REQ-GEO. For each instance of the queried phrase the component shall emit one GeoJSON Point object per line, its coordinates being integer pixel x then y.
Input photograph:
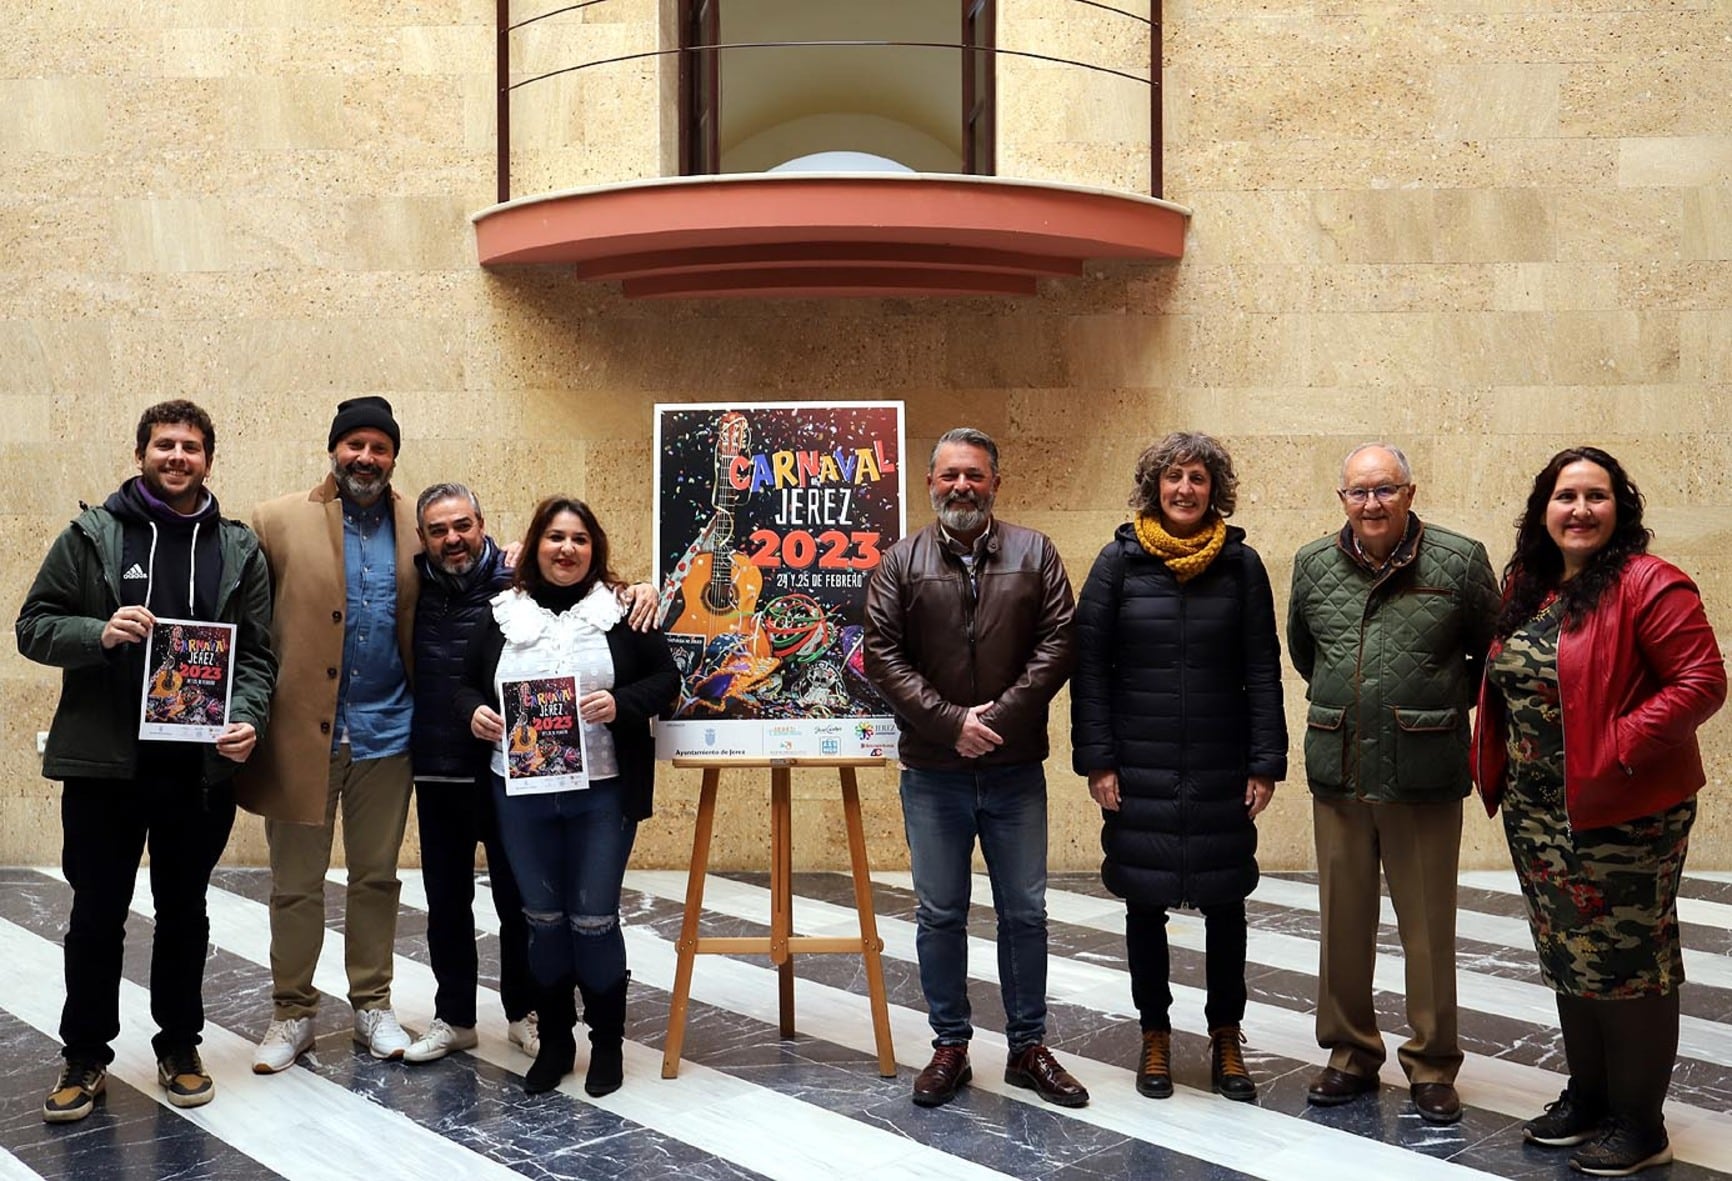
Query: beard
{"type": "Point", "coordinates": [359, 481]}
{"type": "Point", "coordinates": [461, 562]}
{"type": "Point", "coordinates": [962, 512]}
{"type": "Point", "coordinates": [153, 482]}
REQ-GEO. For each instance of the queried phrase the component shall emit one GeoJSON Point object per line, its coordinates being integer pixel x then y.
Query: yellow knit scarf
{"type": "Point", "coordinates": [1186, 557]}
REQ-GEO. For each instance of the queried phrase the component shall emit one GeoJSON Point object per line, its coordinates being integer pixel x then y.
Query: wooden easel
{"type": "Point", "coordinates": [782, 944]}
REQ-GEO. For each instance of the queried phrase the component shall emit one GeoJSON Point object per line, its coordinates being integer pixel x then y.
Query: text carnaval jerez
{"type": "Point", "coordinates": [815, 515]}
{"type": "Point", "coordinates": [203, 659]}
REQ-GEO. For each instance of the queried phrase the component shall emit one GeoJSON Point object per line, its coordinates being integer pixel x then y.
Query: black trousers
{"type": "Point", "coordinates": [1620, 1054]}
{"type": "Point", "coordinates": [106, 826]}
{"type": "Point", "coordinates": [1224, 966]}
{"type": "Point", "coordinates": [454, 818]}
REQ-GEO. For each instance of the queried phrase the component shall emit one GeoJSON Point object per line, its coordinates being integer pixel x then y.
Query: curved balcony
{"type": "Point", "coordinates": [802, 228]}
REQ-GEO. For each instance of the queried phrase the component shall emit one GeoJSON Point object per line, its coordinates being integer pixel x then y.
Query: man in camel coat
{"type": "Point", "coordinates": [343, 574]}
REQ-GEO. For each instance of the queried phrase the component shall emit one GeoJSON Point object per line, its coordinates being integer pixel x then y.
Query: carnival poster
{"type": "Point", "coordinates": [771, 518]}
{"type": "Point", "coordinates": [543, 742]}
{"type": "Point", "coordinates": [189, 675]}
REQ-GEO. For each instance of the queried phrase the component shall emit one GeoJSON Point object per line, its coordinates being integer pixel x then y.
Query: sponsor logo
{"type": "Point", "coordinates": [134, 572]}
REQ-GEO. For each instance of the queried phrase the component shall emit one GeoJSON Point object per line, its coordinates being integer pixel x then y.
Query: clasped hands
{"type": "Point", "coordinates": [977, 738]}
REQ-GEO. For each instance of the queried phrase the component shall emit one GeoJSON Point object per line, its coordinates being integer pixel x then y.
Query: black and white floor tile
{"type": "Point", "coordinates": [748, 1104]}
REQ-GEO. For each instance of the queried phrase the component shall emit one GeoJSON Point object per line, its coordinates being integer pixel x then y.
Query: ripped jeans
{"type": "Point", "coordinates": [568, 851]}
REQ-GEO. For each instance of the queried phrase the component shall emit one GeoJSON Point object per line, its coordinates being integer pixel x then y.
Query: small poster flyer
{"type": "Point", "coordinates": [543, 743]}
{"type": "Point", "coordinates": [189, 673]}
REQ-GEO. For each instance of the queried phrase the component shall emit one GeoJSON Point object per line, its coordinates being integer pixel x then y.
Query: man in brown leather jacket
{"type": "Point", "coordinates": [968, 636]}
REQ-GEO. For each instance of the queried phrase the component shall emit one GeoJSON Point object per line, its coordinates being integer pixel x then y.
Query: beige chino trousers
{"type": "Point", "coordinates": [374, 796]}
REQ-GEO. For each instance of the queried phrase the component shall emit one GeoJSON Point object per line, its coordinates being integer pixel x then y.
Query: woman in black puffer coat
{"type": "Point", "coordinates": [1176, 720]}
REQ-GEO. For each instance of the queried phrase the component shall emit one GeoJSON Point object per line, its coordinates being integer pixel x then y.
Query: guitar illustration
{"type": "Point", "coordinates": [720, 584]}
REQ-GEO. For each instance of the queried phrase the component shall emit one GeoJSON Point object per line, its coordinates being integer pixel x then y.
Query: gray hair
{"type": "Point", "coordinates": [1394, 451]}
{"type": "Point", "coordinates": [438, 492]}
{"type": "Point", "coordinates": [968, 436]}
{"type": "Point", "coordinates": [1176, 450]}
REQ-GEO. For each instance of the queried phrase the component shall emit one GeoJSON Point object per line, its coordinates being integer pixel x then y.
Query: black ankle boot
{"type": "Point", "coordinates": [558, 1054]}
{"type": "Point", "coordinates": [604, 1013]}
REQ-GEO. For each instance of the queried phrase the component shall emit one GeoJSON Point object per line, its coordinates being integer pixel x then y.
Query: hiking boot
{"type": "Point", "coordinates": [1227, 1074]}
{"type": "Point", "coordinates": [74, 1095]}
{"type": "Point", "coordinates": [181, 1073]}
{"type": "Point", "coordinates": [1155, 1068]}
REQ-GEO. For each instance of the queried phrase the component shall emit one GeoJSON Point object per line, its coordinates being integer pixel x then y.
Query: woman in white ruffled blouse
{"type": "Point", "coordinates": [568, 849]}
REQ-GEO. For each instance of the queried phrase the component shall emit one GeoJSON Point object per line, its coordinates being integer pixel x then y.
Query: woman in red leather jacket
{"type": "Point", "coordinates": [1603, 668]}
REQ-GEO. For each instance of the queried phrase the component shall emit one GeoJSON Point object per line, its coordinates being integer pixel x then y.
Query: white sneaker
{"type": "Point", "coordinates": [283, 1042]}
{"type": "Point", "coordinates": [439, 1040]}
{"type": "Point", "coordinates": [526, 1034]}
{"type": "Point", "coordinates": [377, 1029]}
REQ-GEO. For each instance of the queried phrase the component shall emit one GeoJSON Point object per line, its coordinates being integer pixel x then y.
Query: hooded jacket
{"type": "Point", "coordinates": [1178, 690]}
{"type": "Point", "coordinates": [80, 586]}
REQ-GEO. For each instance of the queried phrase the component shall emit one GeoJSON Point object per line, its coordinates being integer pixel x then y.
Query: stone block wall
{"type": "Point", "coordinates": [1483, 230]}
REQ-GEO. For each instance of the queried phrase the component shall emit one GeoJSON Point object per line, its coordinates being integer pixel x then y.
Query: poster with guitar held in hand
{"type": "Point", "coordinates": [771, 519]}
{"type": "Point", "coordinates": [189, 678]}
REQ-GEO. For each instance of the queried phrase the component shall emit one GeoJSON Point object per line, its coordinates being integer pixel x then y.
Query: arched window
{"type": "Point", "coordinates": [846, 86]}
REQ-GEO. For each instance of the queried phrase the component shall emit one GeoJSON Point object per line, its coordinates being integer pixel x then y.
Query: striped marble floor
{"type": "Point", "coordinates": [747, 1104]}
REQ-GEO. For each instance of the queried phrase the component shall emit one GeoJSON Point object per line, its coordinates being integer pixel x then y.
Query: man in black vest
{"type": "Point", "coordinates": [461, 570]}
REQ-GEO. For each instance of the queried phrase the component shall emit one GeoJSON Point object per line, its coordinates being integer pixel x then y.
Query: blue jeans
{"type": "Point", "coordinates": [568, 851]}
{"type": "Point", "coordinates": [944, 811]}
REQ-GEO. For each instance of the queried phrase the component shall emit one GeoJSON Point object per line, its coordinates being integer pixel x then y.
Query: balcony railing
{"type": "Point", "coordinates": [691, 55]}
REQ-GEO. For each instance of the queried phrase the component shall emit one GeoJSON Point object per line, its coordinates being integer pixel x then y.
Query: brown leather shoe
{"type": "Point", "coordinates": [944, 1075]}
{"type": "Point", "coordinates": [1332, 1087]}
{"type": "Point", "coordinates": [1437, 1103]}
{"type": "Point", "coordinates": [1036, 1069]}
{"type": "Point", "coordinates": [1154, 1069]}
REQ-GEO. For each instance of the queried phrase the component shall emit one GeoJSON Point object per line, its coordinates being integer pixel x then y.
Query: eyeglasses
{"type": "Point", "coordinates": [1383, 493]}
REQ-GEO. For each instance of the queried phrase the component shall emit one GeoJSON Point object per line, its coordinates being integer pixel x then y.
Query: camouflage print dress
{"type": "Point", "coordinates": [1602, 903]}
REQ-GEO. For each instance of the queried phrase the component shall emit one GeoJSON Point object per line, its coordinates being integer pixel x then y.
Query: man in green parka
{"type": "Point", "coordinates": [1388, 623]}
{"type": "Point", "coordinates": [156, 550]}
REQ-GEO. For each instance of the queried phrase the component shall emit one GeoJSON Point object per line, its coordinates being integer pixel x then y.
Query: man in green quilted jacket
{"type": "Point", "coordinates": [1388, 622]}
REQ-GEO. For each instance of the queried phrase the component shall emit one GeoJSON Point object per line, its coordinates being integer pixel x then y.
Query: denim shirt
{"type": "Point", "coordinates": [374, 708]}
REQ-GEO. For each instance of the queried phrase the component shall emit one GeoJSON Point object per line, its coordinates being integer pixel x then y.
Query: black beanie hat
{"type": "Point", "coordinates": [356, 413]}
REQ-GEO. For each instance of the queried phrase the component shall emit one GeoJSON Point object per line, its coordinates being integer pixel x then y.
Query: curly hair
{"type": "Point", "coordinates": [1536, 569]}
{"type": "Point", "coordinates": [1176, 450]}
{"type": "Point", "coordinates": [528, 577]}
{"type": "Point", "coordinates": [177, 412]}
